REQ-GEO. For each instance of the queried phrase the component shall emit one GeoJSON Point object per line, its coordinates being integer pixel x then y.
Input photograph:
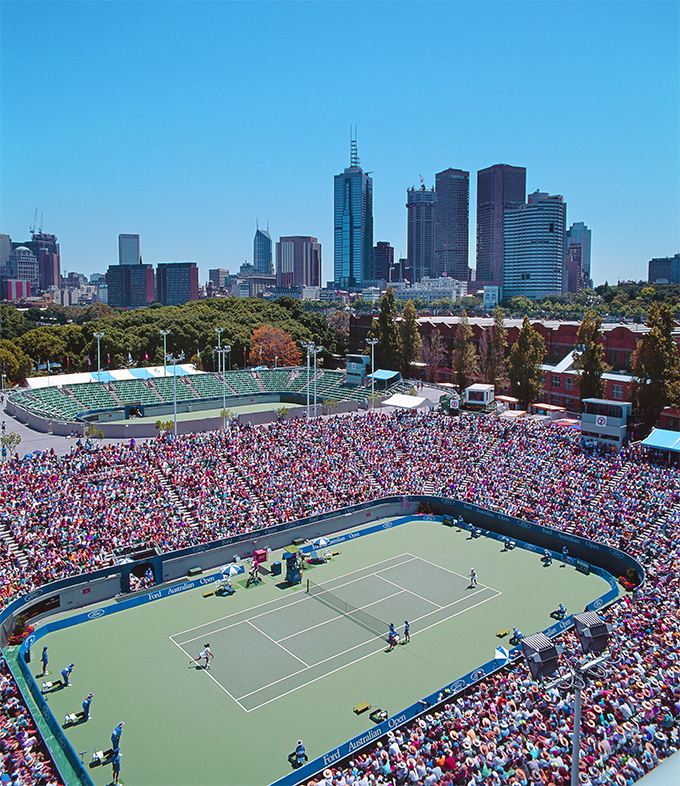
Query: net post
{"type": "Point", "coordinates": [307, 590]}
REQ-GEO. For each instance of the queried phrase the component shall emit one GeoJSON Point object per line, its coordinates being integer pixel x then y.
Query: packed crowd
{"type": "Point", "coordinates": [24, 759]}
{"type": "Point", "coordinates": [79, 512]}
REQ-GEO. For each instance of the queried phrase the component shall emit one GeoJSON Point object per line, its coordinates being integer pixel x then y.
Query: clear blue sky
{"type": "Point", "coordinates": [185, 122]}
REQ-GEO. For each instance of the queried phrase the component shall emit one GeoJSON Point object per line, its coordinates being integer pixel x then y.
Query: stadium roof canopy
{"type": "Point", "coordinates": [152, 372]}
{"type": "Point", "coordinates": [662, 439]}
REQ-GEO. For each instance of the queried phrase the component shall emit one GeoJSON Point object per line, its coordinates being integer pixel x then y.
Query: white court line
{"type": "Point", "coordinates": [363, 643]}
{"type": "Point", "coordinates": [219, 684]}
{"type": "Point", "coordinates": [297, 633]}
{"type": "Point", "coordinates": [415, 594]}
{"type": "Point", "coordinates": [340, 668]}
{"type": "Point", "coordinates": [453, 572]}
{"type": "Point", "coordinates": [298, 599]}
{"type": "Point", "coordinates": [295, 598]}
{"type": "Point", "coordinates": [277, 644]}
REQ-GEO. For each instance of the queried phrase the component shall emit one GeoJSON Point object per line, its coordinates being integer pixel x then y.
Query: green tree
{"type": "Point", "coordinates": [589, 357]}
{"type": "Point", "coordinates": [410, 339]}
{"type": "Point", "coordinates": [9, 441]}
{"type": "Point", "coordinates": [464, 359]}
{"type": "Point", "coordinates": [12, 322]}
{"type": "Point", "coordinates": [655, 365]}
{"type": "Point", "coordinates": [432, 354]}
{"type": "Point", "coordinates": [524, 365]}
{"type": "Point", "coordinates": [495, 370]}
{"type": "Point", "coordinates": [388, 351]}
{"type": "Point", "coordinates": [12, 361]}
{"type": "Point", "coordinates": [338, 322]}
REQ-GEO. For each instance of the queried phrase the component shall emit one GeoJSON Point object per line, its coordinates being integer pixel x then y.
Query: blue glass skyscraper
{"type": "Point", "coordinates": [353, 224]}
{"type": "Point", "coordinates": [262, 252]}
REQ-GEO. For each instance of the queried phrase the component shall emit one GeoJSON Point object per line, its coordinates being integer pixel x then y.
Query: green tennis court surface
{"type": "Point", "coordinates": [288, 664]}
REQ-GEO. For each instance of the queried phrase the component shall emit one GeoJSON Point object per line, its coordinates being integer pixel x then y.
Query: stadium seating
{"type": "Point", "coordinates": [134, 391]}
{"type": "Point", "coordinates": [505, 730]}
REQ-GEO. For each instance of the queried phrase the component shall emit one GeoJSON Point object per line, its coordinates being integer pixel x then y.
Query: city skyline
{"type": "Point", "coordinates": [177, 143]}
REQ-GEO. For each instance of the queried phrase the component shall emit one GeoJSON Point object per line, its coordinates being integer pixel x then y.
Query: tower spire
{"type": "Point", "coordinates": [353, 152]}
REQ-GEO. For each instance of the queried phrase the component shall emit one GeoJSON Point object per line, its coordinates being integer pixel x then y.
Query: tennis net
{"type": "Point", "coordinates": [370, 623]}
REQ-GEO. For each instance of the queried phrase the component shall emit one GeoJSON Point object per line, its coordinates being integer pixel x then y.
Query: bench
{"type": "Point", "coordinates": [363, 707]}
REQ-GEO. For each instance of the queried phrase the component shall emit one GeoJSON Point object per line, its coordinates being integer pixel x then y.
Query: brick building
{"type": "Point", "coordinates": [560, 389]}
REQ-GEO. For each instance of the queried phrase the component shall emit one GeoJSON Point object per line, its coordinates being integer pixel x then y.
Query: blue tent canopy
{"type": "Point", "coordinates": [662, 439]}
{"type": "Point", "coordinates": [103, 376]}
{"type": "Point", "coordinates": [383, 375]}
{"type": "Point", "coordinates": [141, 373]}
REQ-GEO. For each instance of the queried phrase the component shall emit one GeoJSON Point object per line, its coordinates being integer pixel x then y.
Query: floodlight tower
{"type": "Point", "coordinates": [542, 657]}
{"type": "Point", "coordinates": [372, 342]}
{"type": "Point", "coordinates": [165, 334]}
{"type": "Point", "coordinates": [99, 337]}
{"type": "Point", "coordinates": [315, 351]}
{"type": "Point", "coordinates": [309, 346]}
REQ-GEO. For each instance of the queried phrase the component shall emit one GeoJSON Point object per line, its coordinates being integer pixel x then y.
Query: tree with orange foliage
{"type": "Point", "coordinates": [270, 343]}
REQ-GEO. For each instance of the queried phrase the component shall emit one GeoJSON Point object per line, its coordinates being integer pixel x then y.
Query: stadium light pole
{"type": "Point", "coordinates": [174, 359]}
{"type": "Point", "coordinates": [372, 342]}
{"type": "Point", "coordinates": [316, 351]}
{"type": "Point", "coordinates": [224, 390]}
{"type": "Point", "coordinates": [99, 337]}
{"type": "Point", "coordinates": [542, 658]}
{"type": "Point", "coordinates": [227, 349]}
{"type": "Point", "coordinates": [219, 346]}
{"type": "Point", "coordinates": [308, 345]}
{"type": "Point", "coordinates": [165, 334]}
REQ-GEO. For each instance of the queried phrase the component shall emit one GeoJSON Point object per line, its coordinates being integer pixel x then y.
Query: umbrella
{"type": "Point", "coordinates": [229, 570]}
{"type": "Point", "coordinates": [124, 561]}
{"type": "Point", "coordinates": [502, 655]}
{"type": "Point", "coordinates": [320, 543]}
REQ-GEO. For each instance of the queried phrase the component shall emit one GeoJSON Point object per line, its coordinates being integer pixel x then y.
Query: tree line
{"type": "Point", "coordinates": [654, 365]}
{"type": "Point", "coordinates": [30, 342]}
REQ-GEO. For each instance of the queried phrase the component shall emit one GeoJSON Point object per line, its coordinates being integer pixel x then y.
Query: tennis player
{"type": "Point", "coordinates": [473, 578]}
{"type": "Point", "coordinates": [205, 653]}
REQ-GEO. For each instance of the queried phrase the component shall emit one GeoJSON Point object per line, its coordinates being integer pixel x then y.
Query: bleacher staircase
{"type": "Point", "coordinates": [182, 509]}
{"type": "Point", "coordinates": [13, 546]}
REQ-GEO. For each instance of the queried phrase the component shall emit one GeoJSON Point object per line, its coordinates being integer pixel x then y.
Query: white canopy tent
{"type": "Point", "coordinates": [406, 402]}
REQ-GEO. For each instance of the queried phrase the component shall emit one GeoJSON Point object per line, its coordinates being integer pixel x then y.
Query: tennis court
{"type": "Point", "coordinates": [296, 639]}
{"type": "Point", "coordinates": [289, 664]}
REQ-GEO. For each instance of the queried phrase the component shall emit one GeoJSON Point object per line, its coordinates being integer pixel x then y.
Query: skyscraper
{"type": "Point", "coordinates": [353, 224]}
{"type": "Point", "coordinates": [176, 283]}
{"type": "Point", "coordinates": [45, 249]}
{"type": "Point", "coordinates": [130, 286]}
{"type": "Point", "coordinates": [382, 260]}
{"type": "Point", "coordinates": [499, 188]}
{"type": "Point", "coordinates": [580, 235]}
{"type": "Point", "coordinates": [451, 224]}
{"type": "Point", "coordinates": [420, 206]}
{"type": "Point", "coordinates": [298, 262]}
{"type": "Point", "coordinates": [262, 252]}
{"type": "Point", "coordinates": [128, 250]}
{"type": "Point", "coordinates": [533, 247]}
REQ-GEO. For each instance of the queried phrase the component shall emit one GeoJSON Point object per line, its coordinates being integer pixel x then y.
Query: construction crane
{"type": "Point", "coordinates": [422, 183]}
{"type": "Point", "coordinates": [35, 221]}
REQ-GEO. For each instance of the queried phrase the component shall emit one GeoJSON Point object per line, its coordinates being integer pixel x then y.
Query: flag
{"type": "Point", "coordinates": [198, 353]}
{"type": "Point", "coordinates": [108, 358]}
{"type": "Point", "coordinates": [129, 357]}
{"type": "Point", "coordinates": [146, 355]}
{"type": "Point", "coordinates": [68, 362]}
{"type": "Point", "coordinates": [89, 362]}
